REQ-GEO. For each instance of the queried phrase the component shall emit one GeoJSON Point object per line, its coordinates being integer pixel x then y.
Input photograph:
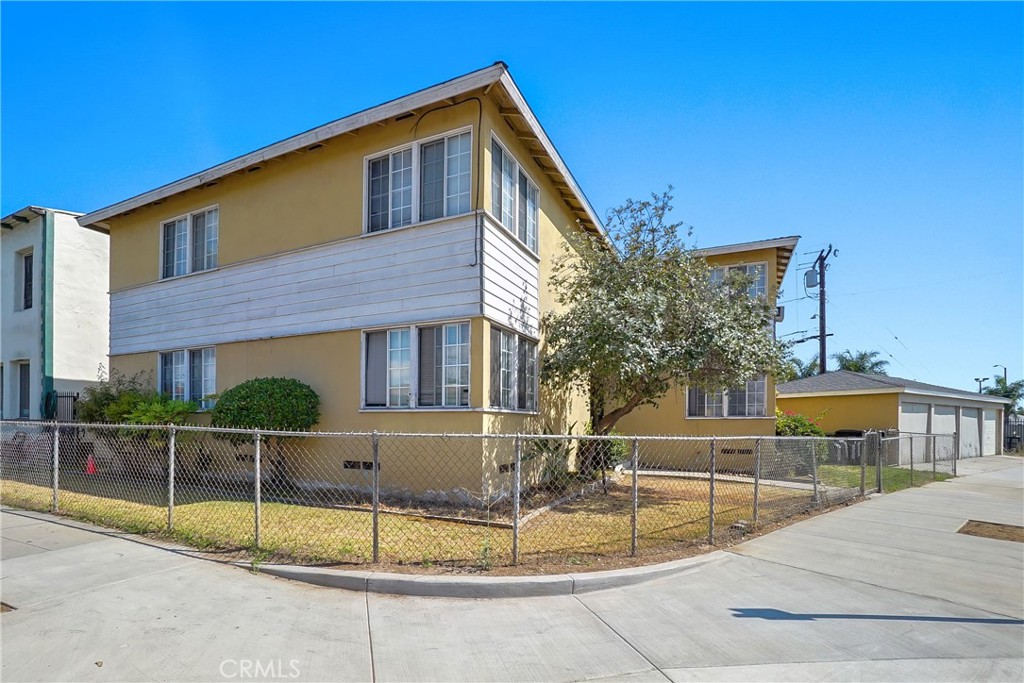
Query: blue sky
{"type": "Point", "coordinates": [895, 132]}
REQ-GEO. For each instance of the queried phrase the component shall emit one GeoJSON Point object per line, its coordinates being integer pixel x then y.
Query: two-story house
{"type": "Point", "coordinates": [397, 260]}
{"type": "Point", "coordinates": [53, 310]}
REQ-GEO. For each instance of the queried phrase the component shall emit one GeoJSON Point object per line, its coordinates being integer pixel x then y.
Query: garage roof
{"type": "Point", "coordinates": [844, 381]}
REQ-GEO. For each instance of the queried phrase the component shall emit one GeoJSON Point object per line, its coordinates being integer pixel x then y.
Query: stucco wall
{"type": "Point", "coordinates": [21, 330]}
{"type": "Point", "coordinates": [81, 314]}
{"type": "Point", "coordinates": [861, 411]}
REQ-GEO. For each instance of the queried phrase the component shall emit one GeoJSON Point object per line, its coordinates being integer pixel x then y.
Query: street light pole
{"type": "Point", "coordinates": [979, 380]}
{"type": "Point", "coordinates": [1005, 378]}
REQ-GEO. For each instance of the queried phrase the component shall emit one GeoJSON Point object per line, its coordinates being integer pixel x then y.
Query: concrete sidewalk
{"type": "Point", "coordinates": [883, 590]}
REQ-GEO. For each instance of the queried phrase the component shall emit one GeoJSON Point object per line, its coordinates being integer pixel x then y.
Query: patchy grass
{"type": "Point", "coordinates": [671, 511]}
{"type": "Point", "coordinates": [893, 478]}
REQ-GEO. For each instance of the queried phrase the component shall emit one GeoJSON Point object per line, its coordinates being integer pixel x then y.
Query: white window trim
{"type": "Point", "coordinates": [744, 264]}
{"type": "Point", "coordinates": [519, 168]}
{"type": "Point", "coordinates": [188, 244]}
{"type": "Point", "coordinates": [414, 361]}
{"type": "Point", "coordinates": [415, 146]}
{"type": "Point", "coordinates": [517, 337]}
{"type": "Point", "coordinates": [188, 370]}
{"type": "Point", "coordinates": [725, 407]}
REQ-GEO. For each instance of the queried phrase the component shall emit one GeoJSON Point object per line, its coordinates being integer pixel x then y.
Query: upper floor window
{"type": "Point", "coordinates": [437, 375]}
{"type": "Point", "coordinates": [747, 400]}
{"type": "Point", "coordinates": [190, 375]}
{"type": "Point", "coordinates": [27, 279]}
{"type": "Point", "coordinates": [755, 272]}
{"type": "Point", "coordinates": [514, 197]}
{"type": "Point", "coordinates": [190, 243]}
{"type": "Point", "coordinates": [421, 182]}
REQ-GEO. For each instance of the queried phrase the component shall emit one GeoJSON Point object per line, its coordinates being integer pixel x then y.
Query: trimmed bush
{"type": "Point", "coordinates": [272, 403]}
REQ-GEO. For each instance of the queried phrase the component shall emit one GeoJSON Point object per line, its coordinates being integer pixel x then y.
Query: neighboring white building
{"type": "Point", "coordinates": [54, 309]}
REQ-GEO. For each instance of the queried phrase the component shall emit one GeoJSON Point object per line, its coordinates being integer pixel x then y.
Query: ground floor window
{"type": "Point", "coordinates": [189, 375]}
{"type": "Point", "coordinates": [747, 400]}
{"type": "Point", "coordinates": [418, 366]}
{"type": "Point", "coordinates": [513, 371]}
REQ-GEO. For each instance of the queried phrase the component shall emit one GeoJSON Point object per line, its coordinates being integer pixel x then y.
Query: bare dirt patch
{"type": "Point", "coordinates": [1000, 532]}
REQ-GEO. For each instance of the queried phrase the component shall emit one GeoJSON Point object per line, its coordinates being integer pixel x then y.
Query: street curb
{"type": "Point", "coordinates": [428, 585]}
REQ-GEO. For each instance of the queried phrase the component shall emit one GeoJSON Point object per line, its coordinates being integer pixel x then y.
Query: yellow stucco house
{"type": "Point", "coordinates": [742, 411]}
{"type": "Point", "coordinates": [397, 260]}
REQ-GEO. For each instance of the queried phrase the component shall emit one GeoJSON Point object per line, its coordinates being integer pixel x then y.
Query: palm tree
{"type": "Point", "coordinates": [866, 362]}
{"type": "Point", "coordinates": [1011, 390]}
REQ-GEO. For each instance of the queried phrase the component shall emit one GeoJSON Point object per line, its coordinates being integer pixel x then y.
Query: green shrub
{"type": "Point", "coordinates": [131, 400]}
{"type": "Point", "coordinates": [793, 424]}
{"type": "Point", "coordinates": [271, 403]}
{"type": "Point", "coordinates": [274, 403]}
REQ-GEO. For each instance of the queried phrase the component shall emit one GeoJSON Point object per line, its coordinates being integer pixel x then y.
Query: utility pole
{"type": "Point", "coordinates": [822, 267]}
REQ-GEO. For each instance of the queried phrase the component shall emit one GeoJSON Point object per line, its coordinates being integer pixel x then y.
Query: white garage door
{"type": "Point", "coordinates": [988, 438]}
{"type": "Point", "coordinates": [970, 437]}
{"type": "Point", "coordinates": [944, 420]}
{"type": "Point", "coordinates": [913, 420]}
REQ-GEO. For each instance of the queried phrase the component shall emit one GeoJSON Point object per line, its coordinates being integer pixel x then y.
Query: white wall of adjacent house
{"type": "Point", "coordinates": [20, 327]}
{"type": "Point", "coordinates": [989, 432]}
{"type": "Point", "coordinates": [81, 306]}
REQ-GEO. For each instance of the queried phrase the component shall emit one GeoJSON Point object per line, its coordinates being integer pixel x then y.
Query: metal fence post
{"type": "Point", "coordinates": [911, 460]}
{"type": "Point", "coordinates": [935, 450]}
{"type": "Point", "coordinates": [858, 447]}
{"type": "Point", "coordinates": [636, 498]}
{"type": "Point", "coordinates": [711, 494]}
{"type": "Point", "coordinates": [56, 467]}
{"type": "Point", "coordinates": [516, 484]}
{"type": "Point", "coordinates": [757, 480]}
{"type": "Point", "coordinates": [814, 468]}
{"type": "Point", "coordinates": [257, 487]}
{"type": "Point", "coordinates": [170, 478]}
{"type": "Point", "coordinates": [955, 451]}
{"type": "Point", "coordinates": [376, 496]}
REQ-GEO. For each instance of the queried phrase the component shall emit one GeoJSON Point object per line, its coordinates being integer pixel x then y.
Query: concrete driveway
{"type": "Point", "coordinates": [883, 590]}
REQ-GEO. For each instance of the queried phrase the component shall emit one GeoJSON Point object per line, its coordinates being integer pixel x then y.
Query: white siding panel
{"type": "Point", "coordinates": [410, 275]}
{"type": "Point", "coordinates": [913, 420]}
{"type": "Point", "coordinates": [511, 281]}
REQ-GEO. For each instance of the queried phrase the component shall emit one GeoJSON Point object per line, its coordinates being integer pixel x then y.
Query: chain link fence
{"type": "Point", "coordinates": [466, 500]}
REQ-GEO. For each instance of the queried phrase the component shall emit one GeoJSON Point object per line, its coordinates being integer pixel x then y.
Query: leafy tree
{"type": "Point", "coordinates": [1011, 390]}
{"type": "Point", "coordinates": [642, 315]}
{"type": "Point", "coordinates": [794, 368]}
{"type": "Point", "coordinates": [270, 403]}
{"type": "Point", "coordinates": [866, 362]}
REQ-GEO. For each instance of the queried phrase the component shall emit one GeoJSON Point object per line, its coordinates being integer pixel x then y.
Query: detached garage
{"type": "Point", "coordinates": [854, 401]}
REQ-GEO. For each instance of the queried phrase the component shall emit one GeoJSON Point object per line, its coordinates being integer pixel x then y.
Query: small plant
{"type": "Point", "coordinates": [259, 556]}
{"type": "Point", "coordinates": [485, 560]}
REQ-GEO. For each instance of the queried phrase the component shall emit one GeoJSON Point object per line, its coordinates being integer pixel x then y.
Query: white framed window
{"type": "Point", "coordinates": [757, 272]}
{"type": "Point", "coordinates": [426, 180]}
{"type": "Point", "coordinates": [189, 375]}
{"type": "Point", "coordinates": [188, 243]}
{"type": "Point", "coordinates": [513, 371]}
{"type": "Point", "coordinates": [515, 199]}
{"type": "Point", "coordinates": [433, 359]}
{"type": "Point", "coordinates": [747, 400]}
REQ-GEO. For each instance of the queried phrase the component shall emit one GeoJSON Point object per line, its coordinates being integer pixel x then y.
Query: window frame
{"type": "Point", "coordinates": [725, 395]}
{"type": "Point", "coordinates": [724, 269]}
{"type": "Point", "coordinates": [189, 243]}
{"type": "Point", "coordinates": [26, 286]}
{"type": "Point", "coordinates": [205, 404]}
{"type": "Point", "coordinates": [531, 392]}
{"type": "Point", "coordinates": [517, 170]}
{"type": "Point", "coordinates": [414, 331]}
{"type": "Point", "coordinates": [417, 179]}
